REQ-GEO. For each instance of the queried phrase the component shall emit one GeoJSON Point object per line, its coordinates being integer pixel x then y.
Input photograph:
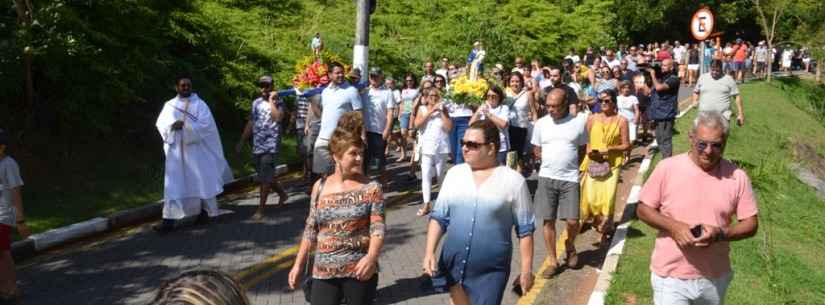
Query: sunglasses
{"type": "Point", "coordinates": [472, 145]}
{"type": "Point", "coordinates": [702, 145]}
{"type": "Point", "coordinates": [606, 101]}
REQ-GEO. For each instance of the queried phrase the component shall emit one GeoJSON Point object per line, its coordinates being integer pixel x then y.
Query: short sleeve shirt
{"type": "Point", "coordinates": [664, 103]}
{"type": "Point", "coordinates": [378, 102]}
{"type": "Point", "coordinates": [9, 179]}
{"type": "Point", "coordinates": [679, 189]}
{"type": "Point", "coordinates": [560, 141]}
{"type": "Point", "coordinates": [741, 53]}
{"type": "Point", "coordinates": [335, 101]}
{"type": "Point", "coordinates": [266, 133]}
{"type": "Point", "coordinates": [715, 94]}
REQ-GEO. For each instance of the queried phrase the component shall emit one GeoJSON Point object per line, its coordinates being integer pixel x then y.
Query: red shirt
{"type": "Point", "coordinates": [741, 53]}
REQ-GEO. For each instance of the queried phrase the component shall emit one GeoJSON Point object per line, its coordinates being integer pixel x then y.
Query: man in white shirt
{"type": "Point", "coordinates": [337, 98]}
{"type": "Point", "coordinates": [559, 139]}
{"type": "Point", "coordinates": [378, 109]}
{"type": "Point", "coordinates": [610, 59]}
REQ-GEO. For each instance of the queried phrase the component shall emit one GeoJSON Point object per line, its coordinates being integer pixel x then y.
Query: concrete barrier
{"type": "Point", "coordinates": [39, 242]}
{"type": "Point", "coordinates": [58, 236]}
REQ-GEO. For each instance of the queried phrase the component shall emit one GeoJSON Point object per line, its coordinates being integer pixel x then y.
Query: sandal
{"type": "Point", "coordinates": [551, 271]}
{"type": "Point", "coordinates": [572, 259]}
{"type": "Point", "coordinates": [425, 210]}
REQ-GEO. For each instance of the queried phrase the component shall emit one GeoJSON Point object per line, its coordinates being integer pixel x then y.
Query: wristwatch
{"type": "Point", "coordinates": [721, 235]}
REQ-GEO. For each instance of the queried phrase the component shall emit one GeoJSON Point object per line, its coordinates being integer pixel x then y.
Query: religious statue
{"type": "Point", "coordinates": [475, 60]}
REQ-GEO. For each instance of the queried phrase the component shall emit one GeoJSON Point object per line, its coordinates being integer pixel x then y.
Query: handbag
{"type": "Point", "coordinates": [306, 286]}
{"type": "Point", "coordinates": [598, 169]}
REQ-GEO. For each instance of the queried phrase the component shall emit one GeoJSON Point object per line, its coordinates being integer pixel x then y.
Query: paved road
{"type": "Point", "coordinates": [128, 266]}
{"type": "Point", "coordinates": [127, 269]}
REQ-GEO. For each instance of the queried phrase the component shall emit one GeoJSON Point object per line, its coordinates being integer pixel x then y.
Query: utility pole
{"type": "Point", "coordinates": [360, 51]}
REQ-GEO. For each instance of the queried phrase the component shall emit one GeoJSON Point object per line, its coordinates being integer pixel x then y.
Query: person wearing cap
{"type": "Point", "coordinates": [11, 216]}
{"type": "Point", "coordinates": [264, 127]}
{"type": "Point", "coordinates": [760, 56]}
{"type": "Point", "coordinates": [195, 169]}
{"type": "Point", "coordinates": [379, 104]}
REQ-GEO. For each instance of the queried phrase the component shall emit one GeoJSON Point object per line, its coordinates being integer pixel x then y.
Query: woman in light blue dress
{"type": "Point", "coordinates": [479, 206]}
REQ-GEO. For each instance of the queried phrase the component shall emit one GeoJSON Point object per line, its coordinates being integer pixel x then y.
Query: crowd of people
{"type": "Point", "coordinates": [572, 125]}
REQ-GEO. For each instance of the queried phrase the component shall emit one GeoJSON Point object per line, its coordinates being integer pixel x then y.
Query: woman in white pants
{"type": "Point", "coordinates": [434, 122]}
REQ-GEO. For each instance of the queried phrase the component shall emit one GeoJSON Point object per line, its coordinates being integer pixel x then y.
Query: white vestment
{"type": "Point", "coordinates": [196, 169]}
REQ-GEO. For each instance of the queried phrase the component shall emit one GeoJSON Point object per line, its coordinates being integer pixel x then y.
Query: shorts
{"type": "Point", "coordinates": [5, 237]}
{"type": "Point", "coordinates": [675, 291]}
{"type": "Point", "coordinates": [737, 65]}
{"type": "Point", "coordinates": [693, 67]}
{"type": "Point", "coordinates": [265, 164]}
{"type": "Point", "coordinates": [557, 199]}
{"type": "Point", "coordinates": [760, 66]}
{"type": "Point", "coordinates": [404, 120]}
{"type": "Point", "coordinates": [322, 163]}
{"type": "Point", "coordinates": [375, 151]}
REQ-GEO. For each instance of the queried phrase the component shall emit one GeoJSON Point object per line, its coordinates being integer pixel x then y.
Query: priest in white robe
{"type": "Point", "coordinates": [196, 169]}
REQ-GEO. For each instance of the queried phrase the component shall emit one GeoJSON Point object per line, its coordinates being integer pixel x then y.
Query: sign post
{"type": "Point", "coordinates": [701, 26]}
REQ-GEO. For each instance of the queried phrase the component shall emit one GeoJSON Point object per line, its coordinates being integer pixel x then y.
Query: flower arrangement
{"type": "Point", "coordinates": [312, 71]}
{"type": "Point", "coordinates": [468, 92]}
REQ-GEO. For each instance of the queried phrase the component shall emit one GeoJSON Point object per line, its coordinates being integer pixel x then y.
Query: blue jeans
{"type": "Point", "coordinates": [460, 125]}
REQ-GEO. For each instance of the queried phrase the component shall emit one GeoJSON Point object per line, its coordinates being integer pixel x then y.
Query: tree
{"type": "Point", "coordinates": [24, 21]}
{"type": "Point", "coordinates": [810, 30]}
{"type": "Point", "coordinates": [775, 10]}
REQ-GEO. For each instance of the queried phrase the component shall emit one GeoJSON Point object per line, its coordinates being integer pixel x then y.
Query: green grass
{"type": "Point", "coordinates": [782, 264]}
{"type": "Point", "coordinates": [118, 179]}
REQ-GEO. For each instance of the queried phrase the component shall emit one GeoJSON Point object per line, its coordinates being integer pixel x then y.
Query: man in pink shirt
{"type": "Point", "coordinates": [691, 199]}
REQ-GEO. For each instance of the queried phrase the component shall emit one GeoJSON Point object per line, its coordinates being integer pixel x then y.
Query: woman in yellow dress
{"type": "Point", "coordinates": [609, 139]}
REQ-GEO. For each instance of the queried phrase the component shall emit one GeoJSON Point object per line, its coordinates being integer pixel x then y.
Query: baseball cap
{"type": "Point", "coordinates": [376, 71]}
{"type": "Point", "coordinates": [266, 79]}
{"type": "Point", "coordinates": [4, 137]}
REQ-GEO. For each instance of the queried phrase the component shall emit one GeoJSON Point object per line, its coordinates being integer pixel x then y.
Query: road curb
{"type": "Point", "coordinates": [37, 243]}
{"type": "Point", "coordinates": [611, 260]}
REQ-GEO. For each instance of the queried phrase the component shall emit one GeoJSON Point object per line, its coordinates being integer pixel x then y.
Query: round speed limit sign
{"type": "Point", "coordinates": [701, 25]}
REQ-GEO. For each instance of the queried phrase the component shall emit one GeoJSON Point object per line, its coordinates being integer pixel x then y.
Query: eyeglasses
{"type": "Point", "coordinates": [472, 145]}
{"type": "Point", "coordinates": [701, 145]}
{"type": "Point", "coordinates": [439, 81]}
{"type": "Point", "coordinates": [491, 95]}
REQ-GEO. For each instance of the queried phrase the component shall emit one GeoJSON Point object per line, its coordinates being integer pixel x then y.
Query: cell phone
{"type": "Point", "coordinates": [696, 231]}
{"type": "Point", "coordinates": [517, 287]}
